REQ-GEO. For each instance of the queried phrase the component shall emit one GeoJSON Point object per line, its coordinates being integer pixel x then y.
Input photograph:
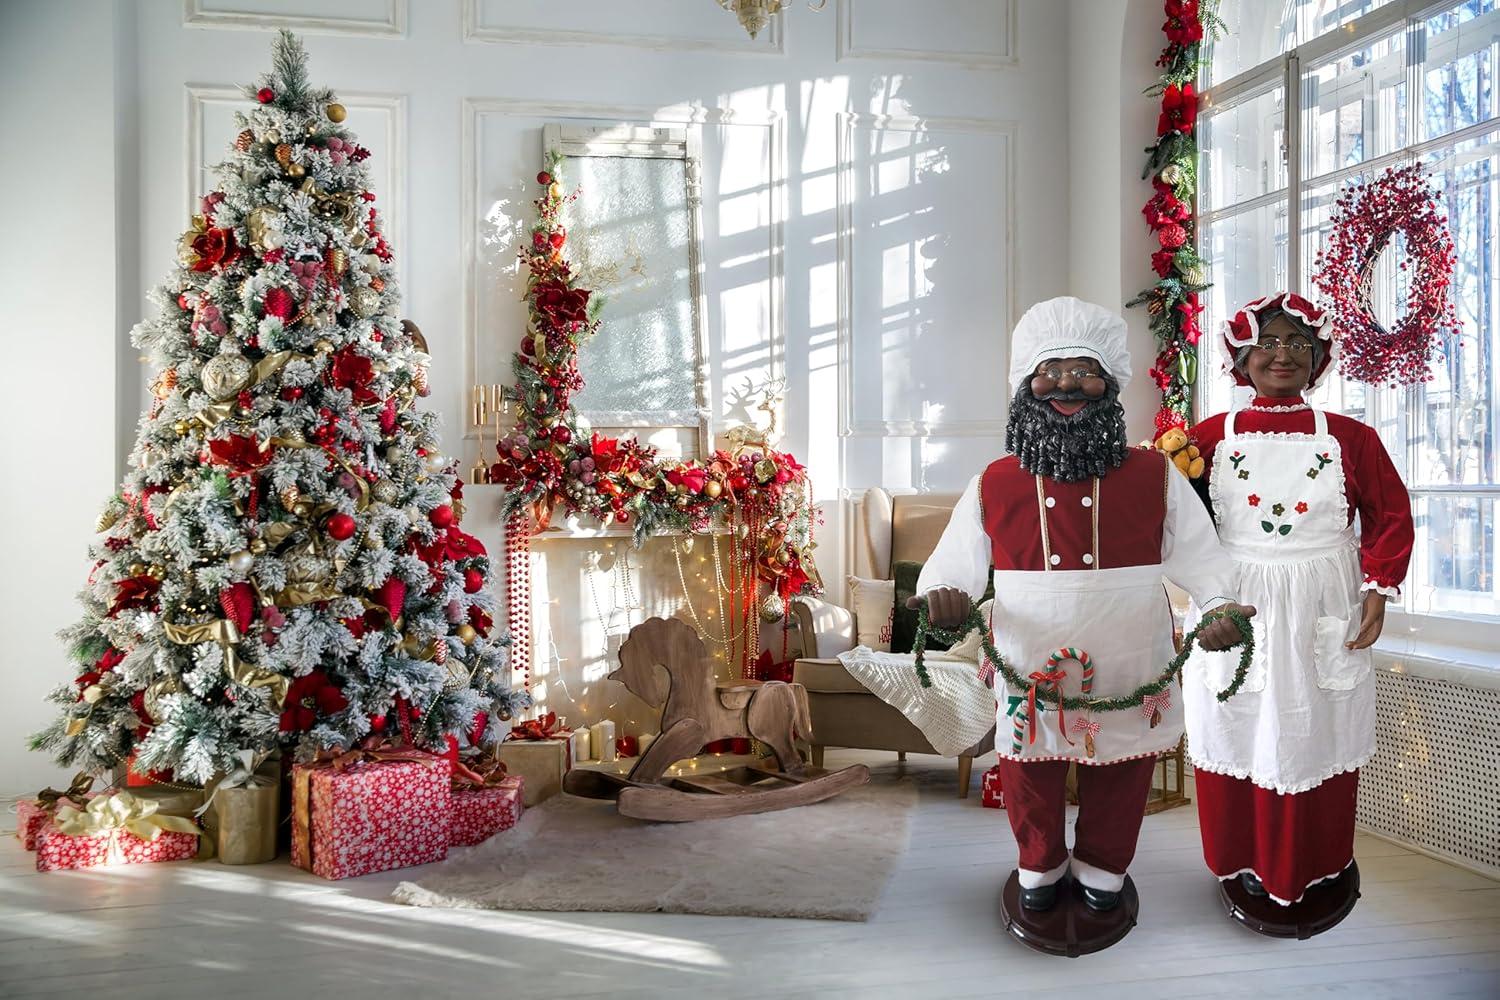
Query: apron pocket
{"type": "Point", "coordinates": [1339, 669]}
{"type": "Point", "coordinates": [1217, 669]}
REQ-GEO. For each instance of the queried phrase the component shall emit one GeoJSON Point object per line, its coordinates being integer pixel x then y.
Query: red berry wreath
{"type": "Point", "coordinates": [1366, 218]}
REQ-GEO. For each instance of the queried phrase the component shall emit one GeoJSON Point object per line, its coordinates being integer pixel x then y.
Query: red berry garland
{"type": "Point", "coordinates": [1366, 217]}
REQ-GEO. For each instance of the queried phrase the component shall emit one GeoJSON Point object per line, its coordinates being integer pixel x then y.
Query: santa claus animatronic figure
{"type": "Point", "coordinates": [1277, 765]}
{"type": "Point", "coordinates": [1080, 529]}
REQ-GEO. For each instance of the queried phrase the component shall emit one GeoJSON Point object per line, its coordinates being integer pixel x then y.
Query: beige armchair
{"type": "Point", "coordinates": [886, 529]}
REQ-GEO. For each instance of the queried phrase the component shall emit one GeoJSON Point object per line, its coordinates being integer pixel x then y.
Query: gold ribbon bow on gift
{"type": "Point", "coordinates": [242, 775]}
{"type": "Point", "coordinates": [77, 793]}
{"type": "Point", "coordinates": [111, 815]}
{"type": "Point", "coordinates": [227, 635]}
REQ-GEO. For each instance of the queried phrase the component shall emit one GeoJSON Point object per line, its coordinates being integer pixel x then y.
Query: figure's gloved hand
{"type": "Point", "coordinates": [947, 607]}
{"type": "Point", "coordinates": [1221, 633]}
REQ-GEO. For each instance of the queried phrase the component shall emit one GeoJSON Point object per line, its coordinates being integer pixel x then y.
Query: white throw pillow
{"type": "Point", "coordinates": [874, 605]}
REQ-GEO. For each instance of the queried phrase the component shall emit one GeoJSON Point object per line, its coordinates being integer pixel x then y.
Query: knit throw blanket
{"type": "Point", "coordinates": [953, 714]}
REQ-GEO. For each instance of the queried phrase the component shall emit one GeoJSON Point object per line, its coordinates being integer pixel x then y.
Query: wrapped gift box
{"type": "Point", "coordinates": [32, 815]}
{"type": "Point", "coordinates": [480, 813]}
{"type": "Point", "coordinates": [541, 762]}
{"type": "Point", "coordinates": [990, 795]}
{"type": "Point", "coordinates": [370, 815]}
{"type": "Point", "coordinates": [113, 830]}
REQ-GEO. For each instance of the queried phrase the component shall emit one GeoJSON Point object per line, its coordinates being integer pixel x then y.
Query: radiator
{"type": "Point", "coordinates": [1434, 782]}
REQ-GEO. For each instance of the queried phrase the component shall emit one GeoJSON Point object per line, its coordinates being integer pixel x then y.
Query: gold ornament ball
{"type": "Point", "coordinates": [157, 572]}
{"type": "Point", "coordinates": [258, 546]}
{"type": "Point", "coordinates": [335, 113]}
{"type": "Point", "coordinates": [296, 170]}
{"type": "Point", "coordinates": [712, 489]}
{"type": "Point", "coordinates": [180, 427]}
{"type": "Point", "coordinates": [241, 561]}
{"type": "Point", "coordinates": [323, 346]}
{"type": "Point", "coordinates": [466, 633]}
{"type": "Point", "coordinates": [136, 569]}
{"type": "Point", "coordinates": [302, 508]}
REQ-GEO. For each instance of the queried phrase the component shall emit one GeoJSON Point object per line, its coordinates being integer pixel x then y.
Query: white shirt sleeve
{"type": "Point", "coordinates": [1191, 556]}
{"type": "Point", "coordinates": [962, 556]}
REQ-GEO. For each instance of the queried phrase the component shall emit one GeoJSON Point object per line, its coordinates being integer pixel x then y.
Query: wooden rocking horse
{"type": "Point", "coordinates": [696, 710]}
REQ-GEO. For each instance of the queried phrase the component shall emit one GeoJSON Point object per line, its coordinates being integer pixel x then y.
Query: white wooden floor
{"type": "Point", "coordinates": [1423, 928]}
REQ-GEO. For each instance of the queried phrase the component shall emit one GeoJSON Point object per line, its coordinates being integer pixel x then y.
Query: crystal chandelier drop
{"type": "Point", "coordinates": [756, 14]}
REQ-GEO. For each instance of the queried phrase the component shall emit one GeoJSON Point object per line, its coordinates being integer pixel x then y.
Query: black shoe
{"type": "Point", "coordinates": [1100, 900]}
{"type": "Point", "coordinates": [1041, 898]}
{"type": "Point", "coordinates": [1253, 886]}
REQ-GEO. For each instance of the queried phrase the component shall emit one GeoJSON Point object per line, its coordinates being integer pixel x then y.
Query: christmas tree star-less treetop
{"type": "Point", "coordinates": [283, 566]}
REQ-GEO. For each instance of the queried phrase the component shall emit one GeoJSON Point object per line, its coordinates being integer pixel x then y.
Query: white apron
{"type": "Point", "coordinates": [1307, 709]}
{"type": "Point", "coordinates": [1121, 619]}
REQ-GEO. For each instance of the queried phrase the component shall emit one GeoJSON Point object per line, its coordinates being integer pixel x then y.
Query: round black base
{"type": "Point", "coordinates": [1323, 906]}
{"type": "Point", "coordinates": [1069, 928]}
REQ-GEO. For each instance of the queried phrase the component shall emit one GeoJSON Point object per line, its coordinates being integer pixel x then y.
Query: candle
{"type": "Point", "coordinates": [602, 740]}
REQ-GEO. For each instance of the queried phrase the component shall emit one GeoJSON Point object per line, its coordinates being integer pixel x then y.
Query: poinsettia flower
{"type": "Point", "coordinates": [112, 658]}
{"type": "Point", "coordinates": [134, 592]}
{"type": "Point", "coordinates": [1179, 109]}
{"type": "Point", "coordinates": [1183, 28]}
{"type": "Point", "coordinates": [1161, 262]}
{"type": "Point", "coordinates": [308, 697]}
{"type": "Point", "coordinates": [241, 454]}
{"type": "Point", "coordinates": [353, 371]}
{"type": "Point", "coordinates": [606, 451]}
{"type": "Point", "coordinates": [559, 304]}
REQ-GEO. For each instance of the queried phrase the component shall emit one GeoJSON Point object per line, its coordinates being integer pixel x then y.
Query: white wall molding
{"type": "Point", "coordinates": [850, 425]}
{"type": "Point", "coordinates": [389, 178]}
{"type": "Point", "coordinates": [848, 49]}
{"type": "Point", "coordinates": [475, 109]}
{"type": "Point", "coordinates": [475, 31]}
{"type": "Point", "coordinates": [392, 23]}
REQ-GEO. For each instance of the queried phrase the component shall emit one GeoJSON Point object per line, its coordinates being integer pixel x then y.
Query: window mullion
{"type": "Point", "coordinates": [1292, 128]}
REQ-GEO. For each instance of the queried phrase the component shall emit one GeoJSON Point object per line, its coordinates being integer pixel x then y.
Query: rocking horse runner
{"type": "Point", "coordinates": [696, 709]}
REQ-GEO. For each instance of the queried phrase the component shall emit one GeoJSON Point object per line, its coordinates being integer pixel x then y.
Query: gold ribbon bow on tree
{"type": "Point", "coordinates": [112, 815]}
{"type": "Point", "coordinates": [227, 635]}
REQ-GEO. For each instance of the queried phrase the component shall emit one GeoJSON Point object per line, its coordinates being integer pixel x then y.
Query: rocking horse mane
{"type": "Point", "coordinates": [667, 642]}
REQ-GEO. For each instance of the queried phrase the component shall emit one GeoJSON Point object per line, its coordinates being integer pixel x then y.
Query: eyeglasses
{"type": "Point", "coordinates": [1079, 374]}
{"type": "Point", "coordinates": [1295, 347]}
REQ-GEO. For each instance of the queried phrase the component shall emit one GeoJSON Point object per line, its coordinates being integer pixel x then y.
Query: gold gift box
{"type": "Point", "coordinates": [541, 762]}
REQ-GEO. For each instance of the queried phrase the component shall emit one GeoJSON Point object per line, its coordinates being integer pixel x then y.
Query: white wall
{"type": "Point", "coordinates": [62, 343]}
{"type": "Point", "coordinates": [890, 185]}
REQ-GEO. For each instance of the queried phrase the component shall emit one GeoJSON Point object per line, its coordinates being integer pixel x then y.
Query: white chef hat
{"type": "Point", "coordinates": [1066, 327]}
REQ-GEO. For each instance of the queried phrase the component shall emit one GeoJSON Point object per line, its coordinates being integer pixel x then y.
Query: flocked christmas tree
{"type": "Point", "coordinates": [283, 565]}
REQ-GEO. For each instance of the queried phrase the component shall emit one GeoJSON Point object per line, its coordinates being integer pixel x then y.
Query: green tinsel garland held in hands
{"type": "Point", "coordinates": [975, 621]}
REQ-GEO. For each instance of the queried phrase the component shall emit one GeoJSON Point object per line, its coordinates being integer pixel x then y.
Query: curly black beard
{"type": "Point", "coordinates": [1067, 448]}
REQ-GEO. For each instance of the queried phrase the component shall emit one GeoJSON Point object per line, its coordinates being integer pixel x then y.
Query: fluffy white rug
{"type": "Point", "coordinates": [829, 860]}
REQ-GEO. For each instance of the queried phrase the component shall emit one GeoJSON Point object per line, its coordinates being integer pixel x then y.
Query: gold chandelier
{"type": "Point", "coordinates": [756, 14]}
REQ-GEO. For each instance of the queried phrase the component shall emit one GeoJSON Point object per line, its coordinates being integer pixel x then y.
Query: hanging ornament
{"type": "Point", "coordinates": [283, 155]}
{"type": "Point", "coordinates": [244, 140]}
{"type": "Point", "coordinates": [263, 223]}
{"type": "Point", "coordinates": [226, 374]}
{"type": "Point", "coordinates": [365, 302]}
{"type": "Point", "coordinates": [240, 562]}
{"type": "Point", "coordinates": [335, 113]}
{"type": "Point", "coordinates": [772, 609]}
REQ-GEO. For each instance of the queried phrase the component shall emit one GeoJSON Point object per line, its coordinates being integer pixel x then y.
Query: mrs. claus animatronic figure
{"type": "Point", "coordinates": [1277, 765]}
{"type": "Point", "coordinates": [1081, 530]}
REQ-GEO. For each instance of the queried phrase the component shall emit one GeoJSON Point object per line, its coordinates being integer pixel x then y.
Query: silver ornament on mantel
{"type": "Point", "coordinates": [225, 375]}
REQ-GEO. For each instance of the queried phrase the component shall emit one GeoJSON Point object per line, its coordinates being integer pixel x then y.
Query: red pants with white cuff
{"type": "Point", "coordinates": [1290, 842]}
{"type": "Point", "coordinates": [1111, 805]}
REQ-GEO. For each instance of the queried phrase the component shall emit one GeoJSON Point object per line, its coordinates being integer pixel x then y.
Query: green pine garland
{"type": "Point", "coordinates": [975, 621]}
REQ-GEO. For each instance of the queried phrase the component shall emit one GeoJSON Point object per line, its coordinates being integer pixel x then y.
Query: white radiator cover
{"type": "Point", "coordinates": [1434, 782]}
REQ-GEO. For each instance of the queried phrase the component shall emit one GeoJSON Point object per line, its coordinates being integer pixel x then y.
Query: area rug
{"type": "Point", "coordinates": [827, 861]}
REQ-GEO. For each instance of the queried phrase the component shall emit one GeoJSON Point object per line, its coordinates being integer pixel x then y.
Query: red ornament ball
{"type": "Point", "coordinates": [377, 723]}
{"type": "Point", "coordinates": [340, 526]}
{"type": "Point", "coordinates": [544, 178]}
{"type": "Point", "coordinates": [292, 393]}
{"type": "Point", "coordinates": [441, 517]}
{"type": "Point", "coordinates": [1171, 236]}
{"type": "Point", "coordinates": [473, 581]}
{"type": "Point", "coordinates": [265, 95]}
{"type": "Point", "coordinates": [561, 434]}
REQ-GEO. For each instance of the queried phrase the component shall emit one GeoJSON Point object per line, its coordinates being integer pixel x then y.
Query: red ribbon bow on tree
{"type": "Point", "coordinates": [1054, 678]}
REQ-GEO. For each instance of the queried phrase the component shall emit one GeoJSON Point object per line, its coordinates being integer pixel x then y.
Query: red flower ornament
{"type": "Point", "coordinates": [307, 698]}
{"type": "Point", "coordinates": [1179, 109]}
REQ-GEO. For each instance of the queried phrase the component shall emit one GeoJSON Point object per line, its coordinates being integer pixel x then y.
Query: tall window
{"type": "Point", "coordinates": [1372, 83]}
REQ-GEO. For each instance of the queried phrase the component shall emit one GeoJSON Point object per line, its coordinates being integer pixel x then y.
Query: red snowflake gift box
{"type": "Point", "coordinates": [485, 807]}
{"type": "Point", "coordinates": [115, 829]}
{"type": "Point", "coordinates": [34, 815]}
{"type": "Point", "coordinates": [370, 811]}
{"type": "Point", "coordinates": [990, 795]}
